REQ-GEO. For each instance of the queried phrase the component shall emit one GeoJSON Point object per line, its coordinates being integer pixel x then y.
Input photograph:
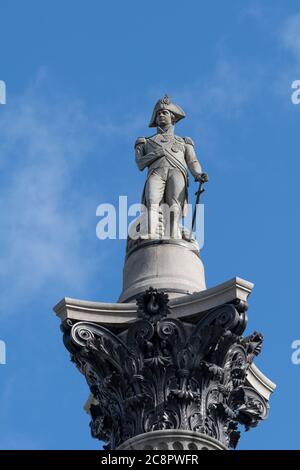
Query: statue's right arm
{"type": "Point", "coordinates": [142, 158]}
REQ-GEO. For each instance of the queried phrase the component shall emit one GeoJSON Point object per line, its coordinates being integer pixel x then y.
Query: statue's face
{"type": "Point", "coordinates": [163, 117]}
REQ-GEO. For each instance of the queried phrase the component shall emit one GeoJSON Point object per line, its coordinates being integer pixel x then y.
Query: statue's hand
{"type": "Point", "coordinates": [159, 152]}
{"type": "Point", "coordinates": [202, 178]}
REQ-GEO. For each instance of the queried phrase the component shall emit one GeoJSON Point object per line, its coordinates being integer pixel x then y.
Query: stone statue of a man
{"type": "Point", "coordinates": [168, 158]}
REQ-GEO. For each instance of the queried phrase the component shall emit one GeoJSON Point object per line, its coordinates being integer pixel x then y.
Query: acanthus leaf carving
{"type": "Point", "coordinates": [169, 374]}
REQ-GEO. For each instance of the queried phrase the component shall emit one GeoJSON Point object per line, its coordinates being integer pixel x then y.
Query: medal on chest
{"type": "Point", "coordinates": [177, 147]}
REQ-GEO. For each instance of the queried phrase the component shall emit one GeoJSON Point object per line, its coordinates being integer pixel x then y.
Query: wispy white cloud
{"type": "Point", "coordinates": [49, 142]}
{"type": "Point", "coordinates": [121, 128]}
{"type": "Point", "coordinates": [44, 141]}
{"type": "Point", "coordinates": [291, 36]}
{"type": "Point", "coordinates": [287, 67]}
{"type": "Point", "coordinates": [225, 92]}
{"type": "Point", "coordinates": [264, 15]}
{"type": "Point", "coordinates": [216, 99]}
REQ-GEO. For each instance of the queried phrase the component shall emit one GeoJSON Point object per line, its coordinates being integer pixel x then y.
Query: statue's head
{"type": "Point", "coordinates": [165, 112]}
{"type": "Point", "coordinates": [164, 117]}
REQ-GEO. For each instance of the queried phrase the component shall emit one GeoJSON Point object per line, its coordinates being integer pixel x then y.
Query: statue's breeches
{"type": "Point", "coordinates": [165, 185]}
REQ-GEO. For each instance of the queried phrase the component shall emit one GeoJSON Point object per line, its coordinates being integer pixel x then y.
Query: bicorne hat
{"type": "Point", "coordinates": [165, 103]}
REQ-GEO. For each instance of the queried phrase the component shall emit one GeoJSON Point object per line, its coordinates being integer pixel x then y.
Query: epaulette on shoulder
{"type": "Point", "coordinates": [189, 141]}
{"type": "Point", "coordinates": [140, 141]}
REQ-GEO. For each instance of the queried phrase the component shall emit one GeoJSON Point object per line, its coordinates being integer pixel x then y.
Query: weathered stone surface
{"type": "Point", "coordinates": [168, 158]}
{"type": "Point", "coordinates": [171, 265]}
{"type": "Point", "coordinates": [170, 440]}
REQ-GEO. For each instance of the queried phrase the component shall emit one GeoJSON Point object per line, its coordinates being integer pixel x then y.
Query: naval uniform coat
{"type": "Point", "coordinates": [179, 157]}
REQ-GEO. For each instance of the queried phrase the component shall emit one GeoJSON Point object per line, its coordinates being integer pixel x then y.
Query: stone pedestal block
{"type": "Point", "coordinates": [173, 266]}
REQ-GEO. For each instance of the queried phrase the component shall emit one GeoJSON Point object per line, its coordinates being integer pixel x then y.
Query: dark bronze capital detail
{"type": "Point", "coordinates": [165, 373]}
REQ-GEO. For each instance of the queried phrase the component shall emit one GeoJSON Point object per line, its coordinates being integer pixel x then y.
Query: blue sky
{"type": "Point", "coordinates": [82, 78]}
